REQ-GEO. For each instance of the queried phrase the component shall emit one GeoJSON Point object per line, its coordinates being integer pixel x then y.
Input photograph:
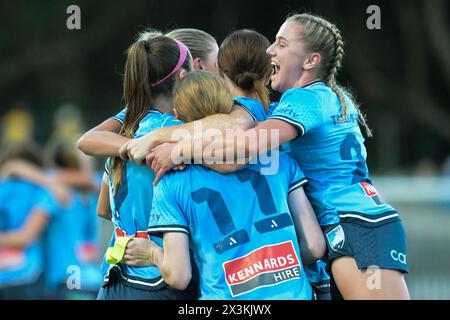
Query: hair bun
{"type": "Point", "coordinates": [245, 80]}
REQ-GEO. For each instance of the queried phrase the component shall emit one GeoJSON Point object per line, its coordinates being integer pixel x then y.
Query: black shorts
{"type": "Point", "coordinates": [382, 246]}
{"type": "Point", "coordinates": [117, 289]}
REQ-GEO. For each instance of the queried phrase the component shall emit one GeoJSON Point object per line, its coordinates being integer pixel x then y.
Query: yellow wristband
{"type": "Point", "coordinates": [115, 254]}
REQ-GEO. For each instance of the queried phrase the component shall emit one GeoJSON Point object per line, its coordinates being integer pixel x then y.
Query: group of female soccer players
{"type": "Point", "coordinates": [48, 226]}
{"type": "Point", "coordinates": [226, 230]}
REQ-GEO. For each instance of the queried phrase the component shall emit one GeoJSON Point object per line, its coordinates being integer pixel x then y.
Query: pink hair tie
{"type": "Point", "coordinates": [183, 54]}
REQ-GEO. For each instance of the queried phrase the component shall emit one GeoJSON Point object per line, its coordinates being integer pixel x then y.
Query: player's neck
{"type": "Point", "coordinates": [305, 79]}
{"type": "Point", "coordinates": [164, 104]}
{"type": "Point", "coordinates": [238, 92]}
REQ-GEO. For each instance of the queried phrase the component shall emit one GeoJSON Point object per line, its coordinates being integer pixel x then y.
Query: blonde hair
{"type": "Point", "coordinates": [201, 94]}
{"type": "Point", "coordinates": [200, 43]}
{"type": "Point", "coordinates": [323, 37]}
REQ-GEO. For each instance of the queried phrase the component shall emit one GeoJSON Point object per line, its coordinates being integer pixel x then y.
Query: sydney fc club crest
{"type": "Point", "coordinates": [336, 238]}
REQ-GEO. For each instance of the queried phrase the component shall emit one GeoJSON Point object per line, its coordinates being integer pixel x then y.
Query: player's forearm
{"type": "Point", "coordinates": [311, 240]}
{"type": "Point", "coordinates": [196, 128]}
{"type": "Point", "coordinates": [77, 179]}
{"type": "Point", "coordinates": [15, 240]}
{"type": "Point", "coordinates": [27, 171]}
{"type": "Point", "coordinates": [173, 274]}
{"type": "Point", "coordinates": [101, 143]}
{"type": "Point", "coordinates": [231, 148]}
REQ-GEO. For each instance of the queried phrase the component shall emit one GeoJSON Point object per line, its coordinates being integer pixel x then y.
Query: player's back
{"type": "Point", "coordinates": [65, 240]}
{"type": "Point", "coordinates": [17, 200]}
{"type": "Point", "coordinates": [131, 204]}
{"type": "Point", "coordinates": [240, 227]}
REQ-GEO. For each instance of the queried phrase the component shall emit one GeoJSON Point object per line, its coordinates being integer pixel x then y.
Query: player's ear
{"type": "Point", "coordinates": [312, 61]}
{"type": "Point", "coordinates": [175, 112]}
{"type": "Point", "coordinates": [197, 64]}
{"type": "Point", "coordinates": [182, 74]}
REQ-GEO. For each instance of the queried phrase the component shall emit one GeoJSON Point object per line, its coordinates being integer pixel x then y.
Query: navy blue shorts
{"type": "Point", "coordinates": [29, 291]}
{"type": "Point", "coordinates": [117, 289]}
{"type": "Point", "coordinates": [382, 246]}
{"type": "Point", "coordinates": [321, 290]}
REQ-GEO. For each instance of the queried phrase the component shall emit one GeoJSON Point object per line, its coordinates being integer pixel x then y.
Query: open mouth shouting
{"type": "Point", "coordinates": [275, 69]}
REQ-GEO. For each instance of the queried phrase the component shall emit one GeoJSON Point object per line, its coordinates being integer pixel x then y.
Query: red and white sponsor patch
{"type": "Point", "coordinates": [369, 189]}
{"type": "Point", "coordinates": [11, 258]}
{"type": "Point", "coordinates": [265, 266]}
{"type": "Point", "coordinates": [88, 252]}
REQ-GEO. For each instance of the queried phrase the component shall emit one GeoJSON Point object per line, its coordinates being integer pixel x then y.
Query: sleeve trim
{"type": "Point", "coordinates": [297, 184]}
{"type": "Point", "coordinates": [246, 109]}
{"type": "Point", "coordinates": [117, 119]}
{"type": "Point", "coordinates": [164, 122]}
{"type": "Point", "coordinates": [168, 228]}
{"type": "Point", "coordinates": [106, 168]}
{"type": "Point", "coordinates": [297, 125]}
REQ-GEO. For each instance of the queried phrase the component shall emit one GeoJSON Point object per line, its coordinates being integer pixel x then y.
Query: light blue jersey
{"type": "Point", "coordinates": [18, 199]}
{"type": "Point", "coordinates": [240, 227]}
{"type": "Point", "coordinates": [317, 272]}
{"type": "Point", "coordinates": [131, 206]}
{"type": "Point", "coordinates": [121, 115]}
{"type": "Point", "coordinates": [253, 106]}
{"type": "Point", "coordinates": [66, 244]}
{"type": "Point", "coordinates": [332, 155]}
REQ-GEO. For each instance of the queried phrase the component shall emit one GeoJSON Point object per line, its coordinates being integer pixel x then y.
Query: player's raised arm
{"type": "Point", "coordinates": [103, 140]}
{"type": "Point", "coordinates": [30, 172]}
{"type": "Point", "coordinates": [139, 148]}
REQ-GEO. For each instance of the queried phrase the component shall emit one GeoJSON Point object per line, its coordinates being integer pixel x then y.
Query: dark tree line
{"type": "Point", "coordinates": [400, 74]}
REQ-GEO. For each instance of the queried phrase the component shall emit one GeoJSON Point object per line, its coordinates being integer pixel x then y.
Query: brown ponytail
{"type": "Point", "coordinates": [147, 62]}
{"type": "Point", "coordinates": [243, 59]}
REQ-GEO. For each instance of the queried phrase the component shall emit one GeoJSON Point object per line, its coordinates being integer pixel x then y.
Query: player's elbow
{"type": "Point", "coordinates": [85, 145]}
{"type": "Point", "coordinates": [104, 213]}
{"type": "Point", "coordinates": [82, 143]}
{"type": "Point", "coordinates": [177, 278]}
{"type": "Point", "coordinates": [317, 247]}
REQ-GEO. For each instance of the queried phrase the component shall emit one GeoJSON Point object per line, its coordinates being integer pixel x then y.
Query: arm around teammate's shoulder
{"type": "Point", "coordinates": [102, 140]}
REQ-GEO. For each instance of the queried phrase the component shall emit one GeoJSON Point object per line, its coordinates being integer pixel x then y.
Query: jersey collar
{"type": "Point", "coordinates": [313, 83]}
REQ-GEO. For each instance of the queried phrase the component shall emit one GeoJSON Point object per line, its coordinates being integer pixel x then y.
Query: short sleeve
{"type": "Point", "coordinates": [272, 108]}
{"type": "Point", "coordinates": [254, 108]}
{"type": "Point", "coordinates": [46, 203]}
{"type": "Point", "coordinates": [297, 178]}
{"type": "Point", "coordinates": [120, 116]}
{"type": "Point", "coordinates": [300, 108]}
{"type": "Point", "coordinates": [171, 121]}
{"type": "Point", "coordinates": [167, 213]}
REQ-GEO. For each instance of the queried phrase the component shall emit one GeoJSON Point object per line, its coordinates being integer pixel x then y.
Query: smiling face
{"type": "Point", "coordinates": [289, 55]}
